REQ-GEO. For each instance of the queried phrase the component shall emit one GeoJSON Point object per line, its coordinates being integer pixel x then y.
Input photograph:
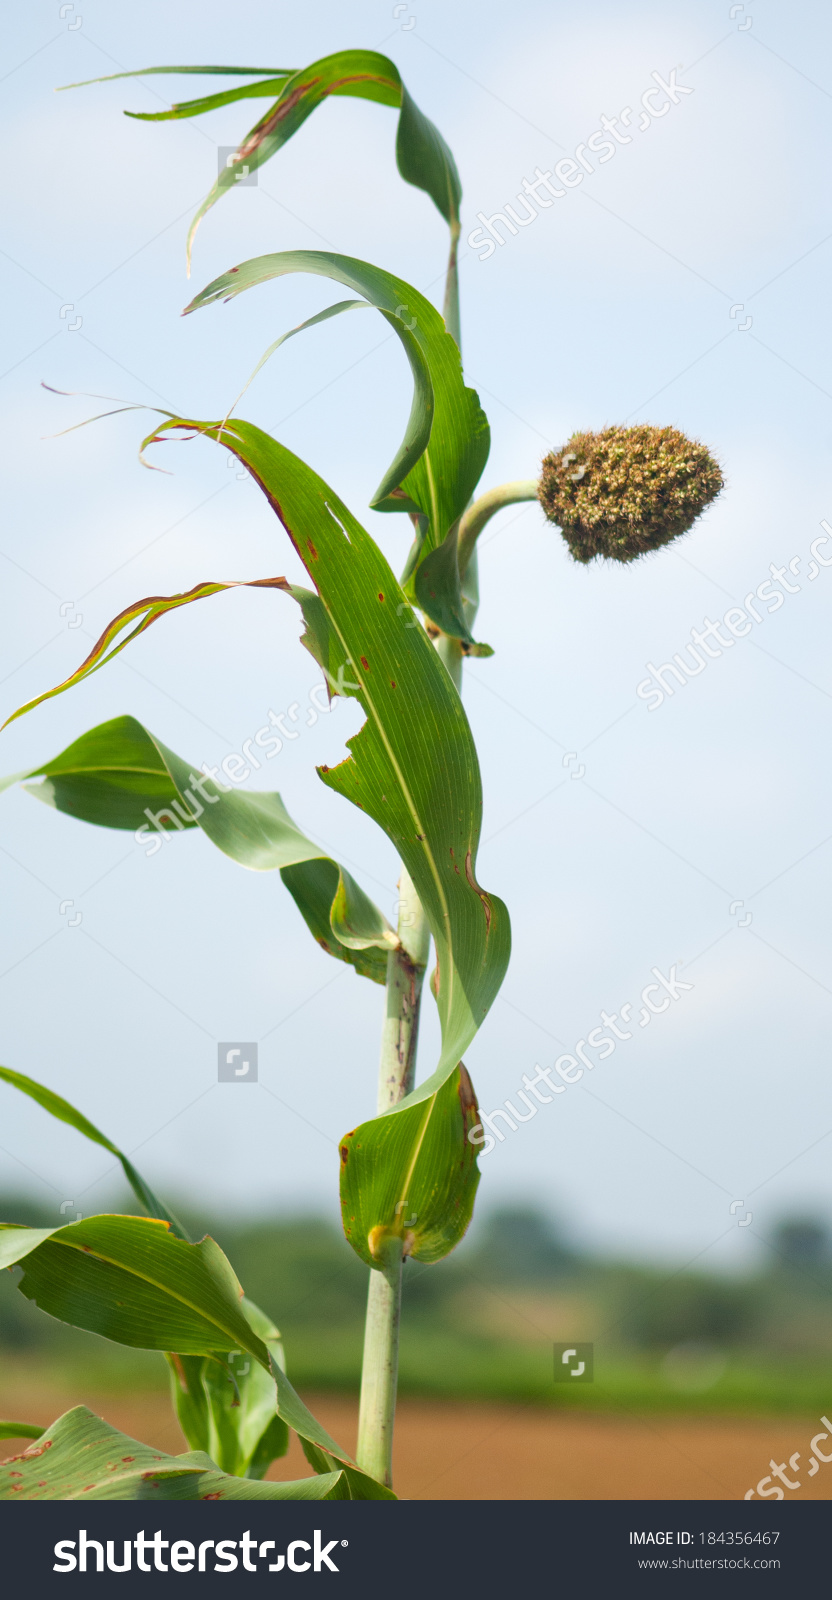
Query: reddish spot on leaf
{"type": "Point", "coordinates": [271, 121]}
{"type": "Point", "coordinates": [381, 597]}
{"type": "Point", "coordinates": [28, 1455]}
{"type": "Point", "coordinates": [217, 1496]}
{"type": "Point", "coordinates": [365, 663]}
{"type": "Point", "coordinates": [128, 1458]}
{"type": "Point", "coordinates": [467, 1097]}
{"type": "Point", "coordinates": [233, 269]}
{"type": "Point", "coordinates": [392, 683]}
{"type": "Point", "coordinates": [486, 903]}
{"type": "Point", "coordinates": [311, 548]}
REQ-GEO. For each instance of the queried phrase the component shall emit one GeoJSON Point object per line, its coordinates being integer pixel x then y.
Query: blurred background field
{"type": "Point", "coordinates": [480, 1326]}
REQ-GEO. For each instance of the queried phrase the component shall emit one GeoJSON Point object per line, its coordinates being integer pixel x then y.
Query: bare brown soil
{"type": "Point", "coordinates": [509, 1452]}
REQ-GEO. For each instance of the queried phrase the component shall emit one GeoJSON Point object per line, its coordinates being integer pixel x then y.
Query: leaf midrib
{"type": "Point", "coordinates": [90, 1250]}
{"type": "Point", "coordinates": [418, 1146]}
{"type": "Point", "coordinates": [411, 804]}
{"type": "Point", "coordinates": [73, 772]}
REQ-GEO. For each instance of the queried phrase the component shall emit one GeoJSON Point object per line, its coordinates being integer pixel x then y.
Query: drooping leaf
{"type": "Point", "coordinates": [412, 767]}
{"type": "Point", "coordinates": [82, 1458]}
{"type": "Point", "coordinates": [446, 444]}
{"type": "Point", "coordinates": [422, 156]}
{"type": "Point", "coordinates": [319, 1447]}
{"type": "Point", "coordinates": [60, 1108]}
{"type": "Point", "coordinates": [150, 72]}
{"type": "Point", "coordinates": [131, 1280]}
{"type": "Point", "coordinates": [227, 1409]}
{"type": "Point", "coordinates": [264, 90]}
{"type": "Point", "coordinates": [120, 776]}
{"type": "Point", "coordinates": [141, 615]}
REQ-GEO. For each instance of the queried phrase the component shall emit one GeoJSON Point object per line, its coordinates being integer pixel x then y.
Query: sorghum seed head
{"type": "Point", "coordinates": [623, 491]}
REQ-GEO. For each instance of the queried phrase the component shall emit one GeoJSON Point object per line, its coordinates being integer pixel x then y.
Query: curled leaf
{"type": "Point", "coordinates": [120, 776]}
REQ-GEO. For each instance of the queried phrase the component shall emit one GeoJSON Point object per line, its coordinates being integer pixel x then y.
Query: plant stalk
{"type": "Point", "coordinates": [406, 968]}
{"type": "Point", "coordinates": [450, 308]}
{"type": "Point", "coordinates": [475, 518]}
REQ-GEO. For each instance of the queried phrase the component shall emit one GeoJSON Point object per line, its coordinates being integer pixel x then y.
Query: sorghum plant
{"type": "Point", "coordinates": [408, 1175]}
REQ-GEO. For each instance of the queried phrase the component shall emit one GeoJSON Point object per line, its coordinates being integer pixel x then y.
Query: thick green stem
{"type": "Point", "coordinates": [380, 1369]}
{"type": "Point", "coordinates": [405, 976]}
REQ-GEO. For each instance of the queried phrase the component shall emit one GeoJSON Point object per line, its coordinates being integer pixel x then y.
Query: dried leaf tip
{"type": "Point", "coordinates": [624, 491]}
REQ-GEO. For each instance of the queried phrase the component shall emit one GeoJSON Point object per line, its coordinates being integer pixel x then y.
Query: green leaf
{"type": "Point", "coordinates": [422, 156]}
{"type": "Point", "coordinates": [21, 1430]}
{"type": "Point", "coordinates": [417, 1168]}
{"type": "Point", "coordinates": [149, 72]}
{"type": "Point", "coordinates": [60, 1108]}
{"type": "Point", "coordinates": [82, 1458]}
{"type": "Point", "coordinates": [142, 613]}
{"type": "Point", "coordinates": [438, 589]}
{"type": "Point", "coordinates": [412, 767]}
{"type": "Point", "coordinates": [120, 776]}
{"type": "Point", "coordinates": [231, 1411]}
{"type": "Point", "coordinates": [319, 1447]}
{"type": "Point", "coordinates": [210, 102]}
{"type": "Point", "coordinates": [442, 456]}
{"type": "Point", "coordinates": [202, 1409]}
{"type": "Point", "coordinates": [131, 1280]}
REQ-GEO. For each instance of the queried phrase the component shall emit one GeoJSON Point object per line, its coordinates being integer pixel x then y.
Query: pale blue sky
{"type": "Point", "coordinates": [615, 305]}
